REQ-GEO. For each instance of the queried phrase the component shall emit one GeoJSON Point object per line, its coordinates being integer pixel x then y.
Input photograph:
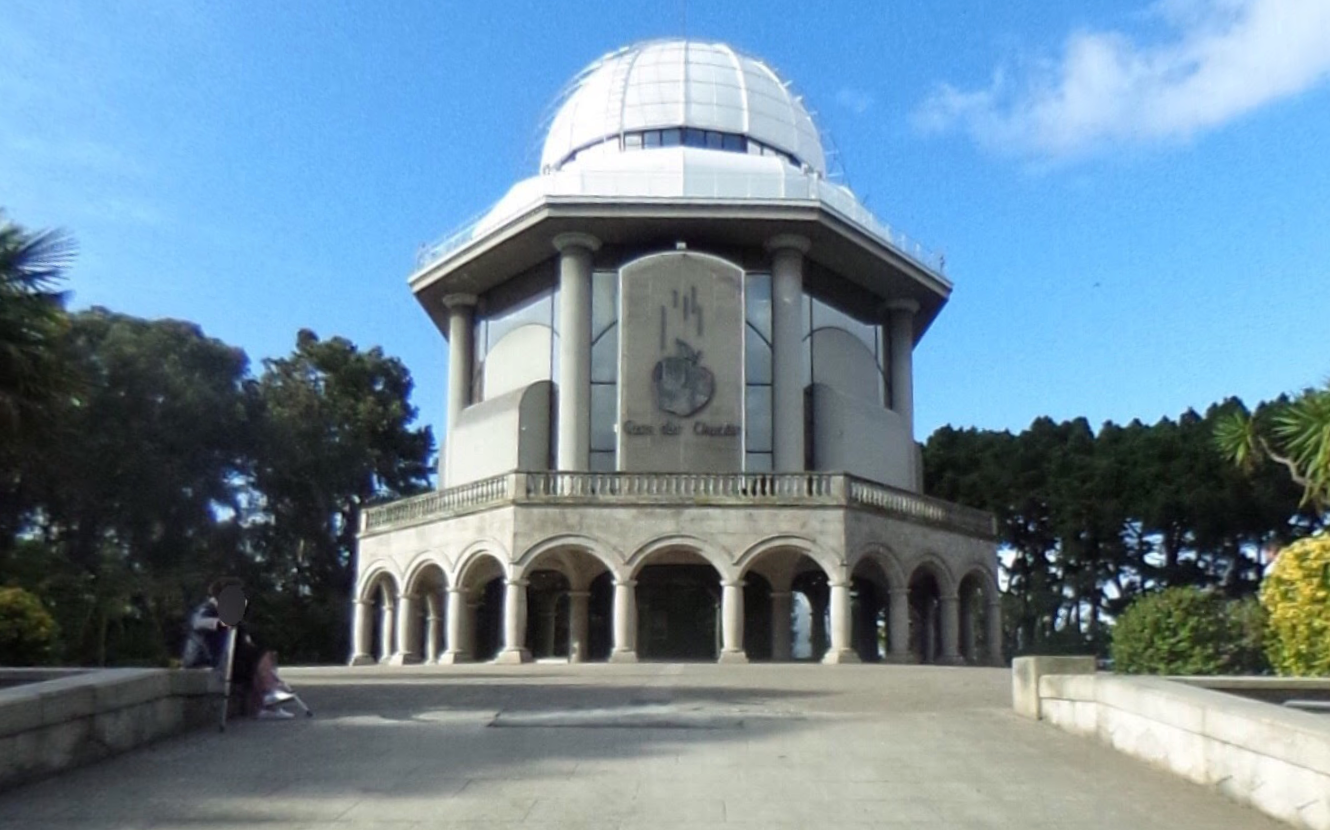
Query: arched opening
{"type": "Point", "coordinates": [977, 643]}
{"type": "Point", "coordinates": [925, 615]}
{"type": "Point", "coordinates": [782, 584]}
{"type": "Point", "coordinates": [678, 607]}
{"type": "Point", "coordinates": [382, 596]}
{"type": "Point", "coordinates": [570, 599]}
{"type": "Point", "coordinates": [547, 626]}
{"type": "Point", "coordinates": [482, 589]}
{"type": "Point", "coordinates": [428, 585]}
{"type": "Point", "coordinates": [811, 640]}
{"type": "Point", "coordinates": [758, 620]}
{"type": "Point", "coordinates": [869, 604]}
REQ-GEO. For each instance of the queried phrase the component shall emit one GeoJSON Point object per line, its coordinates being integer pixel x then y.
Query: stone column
{"type": "Point", "coordinates": [993, 618]}
{"type": "Point", "coordinates": [360, 631]}
{"type": "Point", "coordinates": [841, 651]}
{"type": "Point", "coordinates": [780, 625]}
{"type": "Point", "coordinates": [787, 394]}
{"type": "Point", "coordinates": [577, 626]}
{"type": "Point", "coordinates": [386, 649]}
{"type": "Point", "coordinates": [898, 633]}
{"type": "Point", "coordinates": [625, 622]}
{"type": "Point", "coordinates": [950, 631]}
{"type": "Point", "coordinates": [732, 622]}
{"type": "Point", "coordinates": [461, 355]}
{"type": "Point", "coordinates": [514, 624]}
{"type": "Point", "coordinates": [901, 328]}
{"type": "Point", "coordinates": [408, 629]}
{"type": "Point", "coordinates": [574, 397]}
{"type": "Point", "coordinates": [432, 622]}
{"type": "Point", "coordinates": [455, 611]}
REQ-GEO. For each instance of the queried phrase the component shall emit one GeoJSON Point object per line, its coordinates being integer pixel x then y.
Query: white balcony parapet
{"type": "Point", "coordinates": [699, 489]}
{"type": "Point", "coordinates": [640, 185]}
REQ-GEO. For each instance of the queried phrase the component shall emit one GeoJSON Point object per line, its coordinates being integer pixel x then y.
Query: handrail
{"type": "Point", "coordinates": [685, 184]}
{"type": "Point", "coordinates": [713, 489]}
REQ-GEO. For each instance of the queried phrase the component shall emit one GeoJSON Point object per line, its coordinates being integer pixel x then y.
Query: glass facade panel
{"type": "Point", "coordinates": [757, 357]}
{"type": "Point", "coordinates": [604, 301]}
{"type": "Point", "coordinates": [733, 143]}
{"type": "Point", "coordinates": [693, 137]}
{"type": "Point", "coordinates": [605, 357]}
{"type": "Point", "coordinates": [604, 413]}
{"type": "Point", "coordinates": [671, 138]}
{"type": "Point", "coordinates": [651, 138]}
{"type": "Point", "coordinates": [538, 309]}
{"type": "Point", "coordinates": [757, 300]}
{"type": "Point", "coordinates": [758, 462]}
{"type": "Point", "coordinates": [757, 417]}
{"type": "Point", "coordinates": [827, 316]}
{"type": "Point", "coordinates": [601, 462]}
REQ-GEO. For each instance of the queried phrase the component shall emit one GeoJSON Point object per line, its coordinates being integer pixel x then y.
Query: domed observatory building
{"type": "Point", "coordinates": [680, 417]}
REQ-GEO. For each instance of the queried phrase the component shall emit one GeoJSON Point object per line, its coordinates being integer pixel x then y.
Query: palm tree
{"type": "Point", "coordinates": [32, 319]}
{"type": "Point", "coordinates": [1296, 435]}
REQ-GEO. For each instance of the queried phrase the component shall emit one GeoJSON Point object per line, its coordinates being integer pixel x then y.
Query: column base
{"type": "Point", "coordinates": [452, 658]}
{"type": "Point", "coordinates": [733, 657]}
{"type": "Point", "coordinates": [513, 656]}
{"type": "Point", "coordinates": [952, 660]}
{"type": "Point", "coordinates": [362, 660]}
{"type": "Point", "coordinates": [900, 659]}
{"type": "Point", "coordinates": [400, 659]}
{"type": "Point", "coordinates": [624, 656]}
{"type": "Point", "coordinates": [843, 657]}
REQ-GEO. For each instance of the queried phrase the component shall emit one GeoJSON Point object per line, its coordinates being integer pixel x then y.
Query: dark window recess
{"type": "Point", "coordinates": [694, 138]}
{"type": "Point", "coordinates": [671, 138]}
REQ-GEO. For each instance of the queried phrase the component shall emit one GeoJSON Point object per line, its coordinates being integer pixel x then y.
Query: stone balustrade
{"type": "Point", "coordinates": [709, 489]}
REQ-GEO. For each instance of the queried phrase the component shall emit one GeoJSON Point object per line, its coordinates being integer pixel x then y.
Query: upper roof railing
{"type": "Point", "coordinates": [690, 184]}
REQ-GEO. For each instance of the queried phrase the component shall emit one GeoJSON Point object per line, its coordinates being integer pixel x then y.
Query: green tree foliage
{"type": "Point", "coordinates": [1185, 631]}
{"type": "Point", "coordinates": [1296, 595]}
{"type": "Point", "coordinates": [1292, 433]}
{"type": "Point", "coordinates": [1089, 521]}
{"type": "Point", "coordinates": [334, 435]}
{"type": "Point", "coordinates": [134, 478]}
{"type": "Point", "coordinates": [28, 632]}
{"type": "Point", "coordinates": [32, 319]}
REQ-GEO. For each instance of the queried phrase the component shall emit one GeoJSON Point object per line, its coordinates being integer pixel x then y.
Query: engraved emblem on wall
{"type": "Point", "coordinates": [681, 353]}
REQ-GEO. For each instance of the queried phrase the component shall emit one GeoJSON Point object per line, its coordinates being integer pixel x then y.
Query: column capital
{"type": "Point", "coordinates": [578, 594]}
{"type": "Point", "coordinates": [626, 583]}
{"type": "Point", "coordinates": [901, 304]}
{"type": "Point", "coordinates": [518, 582]}
{"type": "Point", "coordinates": [732, 583]}
{"type": "Point", "coordinates": [575, 239]}
{"type": "Point", "coordinates": [898, 592]}
{"type": "Point", "coordinates": [949, 598]}
{"type": "Point", "coordinates": [781, 594]}
{"type": "Point", "coordinates": [451, 301]}
{"type": "Point", "coordinates": [838, 583]}
{"type": "Point", "coordinates": [362, 602]}
{"type": "Point", "coordinates": [788, 242]}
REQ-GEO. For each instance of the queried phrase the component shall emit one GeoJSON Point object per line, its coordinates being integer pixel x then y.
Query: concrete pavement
{"type": "Point", "coordinates": [632, 746]}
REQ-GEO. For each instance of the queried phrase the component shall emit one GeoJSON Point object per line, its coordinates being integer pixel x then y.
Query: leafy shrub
{"type": "Point", "coordinates": [1296, 595]}
{"type": "Point", "coordinates": [28, 632]}
{"type": "Point", "coordinates": [1188, 631]}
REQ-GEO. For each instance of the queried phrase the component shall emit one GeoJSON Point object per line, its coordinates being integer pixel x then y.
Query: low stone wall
{"type": "Point", "coordinates": [1270, 757]}
{"type": "Point", "coordinates": [47, 725]}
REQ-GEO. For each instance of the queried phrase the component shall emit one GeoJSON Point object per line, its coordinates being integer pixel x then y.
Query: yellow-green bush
{"type": "Point", "coordinates": [28, 632]}
{"type": "Point", "coordinates": [1296, 596]}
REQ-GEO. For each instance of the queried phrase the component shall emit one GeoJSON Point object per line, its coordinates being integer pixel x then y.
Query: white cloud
{"type": "Point", "coordinates": [1224, 59]}
{"type": "Point", "coordinates": [856, 101]}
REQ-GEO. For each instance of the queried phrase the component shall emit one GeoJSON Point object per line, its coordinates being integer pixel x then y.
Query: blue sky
{"type": "Point", "coordinates": [1133, 197]}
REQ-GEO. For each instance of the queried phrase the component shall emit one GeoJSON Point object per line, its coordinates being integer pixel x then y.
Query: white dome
{"type": "Point", "coordinates": [673, 84]}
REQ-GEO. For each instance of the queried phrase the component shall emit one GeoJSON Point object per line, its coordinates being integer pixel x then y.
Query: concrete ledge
{"type": "Point", "coordinates": [1026, 672]}
{"type": "Point", "coordinates": [1270, 757]}
{"type": "Point", "coordinates": [81, 717]}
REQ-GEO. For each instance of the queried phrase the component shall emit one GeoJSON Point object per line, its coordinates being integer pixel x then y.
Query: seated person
{"type": "Point", "coordinates": [253, 668]}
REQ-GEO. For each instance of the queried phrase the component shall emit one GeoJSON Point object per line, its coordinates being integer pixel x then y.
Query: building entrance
{"type": "Point", "coordinates": [678, 613]}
